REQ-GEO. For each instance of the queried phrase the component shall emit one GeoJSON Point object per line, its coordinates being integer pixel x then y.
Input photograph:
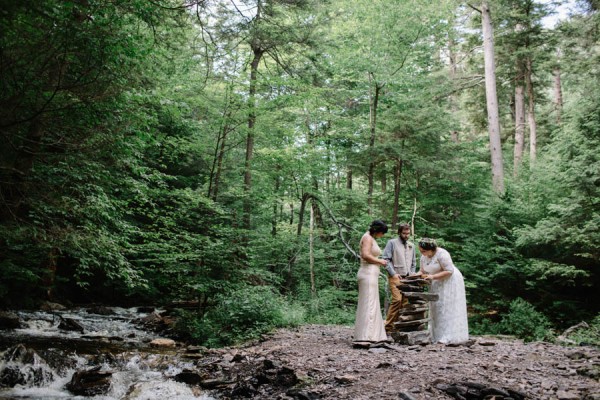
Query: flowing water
{"type": "Point", "coordinates": [39, 360]}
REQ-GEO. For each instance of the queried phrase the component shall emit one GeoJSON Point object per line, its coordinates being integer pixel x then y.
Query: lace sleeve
{"type": "Point", "coordinates": [446, 261]}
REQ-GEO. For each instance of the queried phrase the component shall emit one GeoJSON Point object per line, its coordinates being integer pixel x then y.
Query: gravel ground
{"type": "Point", "coordinates": [319, 362]}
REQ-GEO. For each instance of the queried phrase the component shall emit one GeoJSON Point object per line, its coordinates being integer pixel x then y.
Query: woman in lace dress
{"type": "Point", "coordinates": [448, 316]}
{"type": "Point", "coordinates": [369, 323]}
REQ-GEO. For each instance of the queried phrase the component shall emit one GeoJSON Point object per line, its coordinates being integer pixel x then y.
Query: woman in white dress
{"type": "Point", "coordinates": [448, 316]}
{"type": "Point", "coordinates": [369, 323]}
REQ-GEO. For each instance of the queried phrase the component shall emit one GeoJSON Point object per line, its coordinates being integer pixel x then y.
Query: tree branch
{"type": "Point", "coordinates": [340, 225]}
{"type": "Point", "coordinates": [474, 8]}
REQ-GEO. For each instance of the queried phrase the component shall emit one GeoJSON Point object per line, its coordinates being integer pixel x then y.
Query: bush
{"type": "Point", "coordinates": [240, 315]}
{"type": "Point", "coordinates": [586, 334]}
{"type": "Point", "coordinates": [332, 306]}
{"type": "Point", "coordinates": [481, 325]}
{"type": "Point", "coordinates": [525, 322]}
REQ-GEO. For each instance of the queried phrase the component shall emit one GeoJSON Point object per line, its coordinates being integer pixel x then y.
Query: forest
{"type": "Point", "coordinates": [229, 155]}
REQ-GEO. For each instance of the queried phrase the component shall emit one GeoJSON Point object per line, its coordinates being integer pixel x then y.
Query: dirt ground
{"type": "Point", "coordinates": [319, 362]}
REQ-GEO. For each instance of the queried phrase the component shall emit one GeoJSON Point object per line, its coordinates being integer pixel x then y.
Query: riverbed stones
{"type": "Point", "coordinates": [189, 377]}
{"type": "Point", "coordinates": [90, 382]}
{"type": "Point", "coordinates": [478, 390]}
{"type": "Point", "coordinates": [412, 338]}
{"type": "Point", "coordinates": [9, 320]}
{"type": "Point", "coordinates": [163, 343]}
{"type": "Point", "coordinates": [100, 310]}
{"type": "Point", "coordinates": [69, 324]}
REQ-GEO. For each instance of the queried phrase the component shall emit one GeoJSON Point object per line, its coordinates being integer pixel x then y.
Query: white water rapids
{"type": "Point", "coordinates": [41, 358]}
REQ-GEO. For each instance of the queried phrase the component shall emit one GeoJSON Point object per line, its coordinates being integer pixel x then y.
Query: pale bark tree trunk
{"type": "Point", "coordinates": [397, 177]}
{"type": "Point", "coordinates": [492, 100]}
{"type": "Point", "coordinates": [531, 112]}
{"type": "Point", "coordinates": [258, 53]}
{"type": "Point", "coordinates": [313, 288]}
{"type": "Point", "coordinates": [558, 100]}
{"type": "Point", "coordinates": [519, 120]}
{"type": "Point", "coordinates": [412, 219]}
{"type": "Point", "coordinates": [453, 100]}
{"type": "Point", "coordinates": [374, 90]}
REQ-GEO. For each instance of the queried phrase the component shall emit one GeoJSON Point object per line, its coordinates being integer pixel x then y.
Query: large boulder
{"type": "Point", "coordinates": [91, 382]}
{"type": "Point", "coordinates": [9, 320]}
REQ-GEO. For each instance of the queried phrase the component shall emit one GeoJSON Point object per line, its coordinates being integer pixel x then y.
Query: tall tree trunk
{"type": "Point", "coordinates": [453, 100]}
{"type": "Point", "coordinates": [303, 200]}
{"type": "Point", "coordinates": [49, 279]}
{"type": "Point", "coordinates": [258, 53]}
{"type": "Point", "coordinates": [397, 177]}
{"type": "Point", "coordinates": [519, 120]}
{"type": "Point", "coordinates": [275, 206]}
{"type": "Point", "coordinates": [219, 169]}
{"type": "Point", "coordinates": [558, 100]}
{"type": "Point", "coordinates": [349, 178]}
{"type": "Point", "coordinates": [217, 165]}
{"type": "Point", "coordinates": [412, 219]}
{"type": "Point", "coordinates": [318, 216]}
{"type": "Point", "coordinates": [295, 249]}
{"type": "Point", "coordinates": [492, 100]}
{"type": "Point", "coordinates": [313, 288]}
{"type": "Point", "coordinates": [531, 112]}
{"type": "Point", "coordinates": [374, 90]}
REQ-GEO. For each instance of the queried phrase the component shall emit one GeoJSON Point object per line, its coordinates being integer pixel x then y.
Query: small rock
{"type": "Point", "coordinates": [189, 377]}
{"type": "Point", "coordinates": [69, 324]}
{"type": "Point", "coordinates": [566, 395]}
{"type": "Point", "coordinates": [163, 343]}
{"type": "Point", "coordinates": [346, 379]}
{"type": "Point", "coordinates": [100, 310]}
{"type": "Point", "coordinates": [406, 396]}
{"type": "Point", "coordinates": [50, 306]}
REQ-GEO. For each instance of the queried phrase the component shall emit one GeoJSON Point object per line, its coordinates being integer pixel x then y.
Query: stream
{"type": "Point", "coordinates": [41, 358]}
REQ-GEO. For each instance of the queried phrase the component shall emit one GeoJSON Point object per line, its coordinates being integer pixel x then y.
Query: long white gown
{"type": "Point", "coordinates": [448, 316]}
{"type": "Point", "coordinates": [369, 322]}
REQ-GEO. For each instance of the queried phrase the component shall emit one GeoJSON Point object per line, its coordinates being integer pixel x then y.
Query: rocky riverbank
{"type": "Point", "coordinates": [319, 362]}
{"type": "Point", "coordinates": [117, 355]}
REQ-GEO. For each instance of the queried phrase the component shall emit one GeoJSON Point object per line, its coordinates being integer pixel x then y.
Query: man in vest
{"type": "Point", "coordinates": [402, 261]}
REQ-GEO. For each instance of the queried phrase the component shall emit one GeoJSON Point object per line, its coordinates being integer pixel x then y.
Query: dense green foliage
{"type": "Point", "coordinates": [160, 151]}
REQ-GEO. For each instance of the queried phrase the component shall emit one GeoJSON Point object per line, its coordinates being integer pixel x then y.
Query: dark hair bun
{"type": "Point", "coordinates": [378, 226]}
